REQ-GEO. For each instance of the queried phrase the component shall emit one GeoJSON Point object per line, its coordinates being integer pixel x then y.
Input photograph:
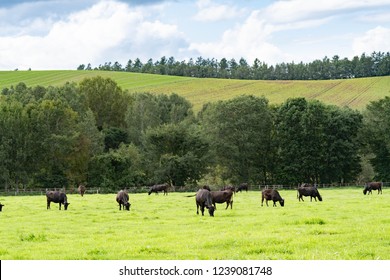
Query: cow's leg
{"type": "Point", "coordinates": [60, 205]}
{"type": "Point", "coordinates": [262, 200]}
{"type": "Point", "coordinates": [202, 209]}
{"type": "Point", "coordinates": [231, 204]}
{"type": "Point", "coordinates": [274, 203]}
{"type": "Point", "coordinates": [266, 202]}
{"type": "Point", "coordinates": [48, 205]}
{"type": "Point", "coordinates": [197, 209]}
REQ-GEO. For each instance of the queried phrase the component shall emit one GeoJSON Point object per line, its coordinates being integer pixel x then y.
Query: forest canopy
{"type": "Point", "coordinates": [376, 64]}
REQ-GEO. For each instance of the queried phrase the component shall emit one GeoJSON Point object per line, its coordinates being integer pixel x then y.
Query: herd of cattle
{"type": "Point", "coordinates": [206, 198]}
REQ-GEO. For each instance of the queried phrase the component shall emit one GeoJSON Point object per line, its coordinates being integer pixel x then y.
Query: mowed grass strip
{"type": "Point", "coordinates": [355, 93]}
{"type": "Point", "coordinates": [346, 225]}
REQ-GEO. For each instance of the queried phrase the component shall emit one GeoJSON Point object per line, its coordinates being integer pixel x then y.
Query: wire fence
{"type": "Point", "coordinates": [145, 189]}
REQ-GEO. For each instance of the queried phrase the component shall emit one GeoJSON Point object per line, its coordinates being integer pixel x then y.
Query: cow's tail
{"type": "Point", "coordinates": [192, 195]}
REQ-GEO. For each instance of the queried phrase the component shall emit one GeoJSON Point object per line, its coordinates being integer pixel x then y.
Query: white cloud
{"type": "Point", "coordinates": [249, 40]}
{"type": "Point", "coordinates": [376, 39]}
{"type": "Point", "coordinates": [107, 31]}
{"type": "Point", "coordinates": [210, 12]}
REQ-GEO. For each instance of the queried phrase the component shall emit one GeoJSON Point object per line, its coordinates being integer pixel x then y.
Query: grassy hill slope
{"type": "Point", "coordinates": [355, 93]}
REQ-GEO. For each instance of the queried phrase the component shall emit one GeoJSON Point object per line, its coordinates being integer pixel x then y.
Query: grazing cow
{"type": "Point", "coordinates": [368, 187]}
{"type": "Point", "coordinates": [270, 194]}
{"type": "Point", "coordinates": [308, 191]}
{"type": "Point", "coordinates": [57, 197]}
{"type": "Point", "coordinates": [222, 197]}
{"type": "Point", "coordinates": [81, 190]}
{"type": "Point", "coordinates": [159, 188]}
{"type": "Point", "coordinates": [122, 198]}
{"type": "Point", "coordinates": [243, 186]}
{"type": "Point", "coordinates": [1, 207]}
{"type": "Point", "coordinates": [204, 200]}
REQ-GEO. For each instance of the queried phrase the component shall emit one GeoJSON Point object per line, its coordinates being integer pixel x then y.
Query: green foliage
{"type": "Point", "coordinates": [240, 131]}
{"type": "Point", "coordinates": [176, 153]}
{"type": "Point", "coordinates": [106, 100]}
{"type": "Point", "coordinates": [317, 143]}
{"type": "Point", "coordinates": [377, 137]}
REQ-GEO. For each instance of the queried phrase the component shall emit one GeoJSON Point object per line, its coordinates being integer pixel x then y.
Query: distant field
{"type": "Point", "coordinates": [355, 93]}
{"type": "Point", "coordinates": [345, 225]}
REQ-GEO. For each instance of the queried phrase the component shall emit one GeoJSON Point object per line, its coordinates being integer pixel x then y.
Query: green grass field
{"type": "Point", "coordinates": [355, 93]}
{"type": "Point", "coordinates": [345, 225]}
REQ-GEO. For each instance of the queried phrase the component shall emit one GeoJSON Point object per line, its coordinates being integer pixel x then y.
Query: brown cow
{"type": "Point", "coordinates": [57, 197]}
{"type": "Point", "coordinates": [270, 194]}
{"type": "Point", "coordinates": [81, 189]}
{"type": "Point", "coordinates": [204, 200]}
{"type": "Point", "coordinates": [222, 197]}
{"type": "Point", "coordinates": [368, 187]}
{"type": "Point", "coordinates": [122, 198]}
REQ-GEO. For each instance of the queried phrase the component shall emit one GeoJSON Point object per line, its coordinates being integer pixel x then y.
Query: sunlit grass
{"type": "Point", "coordinates": [355, 93]}
{"type": "Point", "coordinates": [346, 225]}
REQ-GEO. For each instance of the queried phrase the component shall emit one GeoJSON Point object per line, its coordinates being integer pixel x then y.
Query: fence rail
{"type": "Point", "coordinates": [145, 189]}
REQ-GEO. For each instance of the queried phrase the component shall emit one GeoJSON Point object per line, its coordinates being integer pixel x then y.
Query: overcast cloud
{"type": "Point", "coordinates": [57, 34]}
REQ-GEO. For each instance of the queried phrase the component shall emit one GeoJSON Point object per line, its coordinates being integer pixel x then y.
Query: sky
{"type": "Point", "coordinates": [59, 34]}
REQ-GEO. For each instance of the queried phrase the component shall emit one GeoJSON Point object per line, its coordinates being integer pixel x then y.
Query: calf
{"type": "Point", "coordinates": [203, 200]}
{"type": "Point", "coordinates": [369, 187]}
{"type": "Point", "coordinates": [57, 197]}
{"type": "Point", "coordinates": [308, 191]}
{"type": "Point", "coordinates": [222, 197]}
{"type": "Point", "coordinates": [122, 198]}
{"type": "Point", "coordinates": [270, 194]}
{"type": "Point", "coordinates": [1, 207]}
{"type": "Point", "coordinates": [159, 188]}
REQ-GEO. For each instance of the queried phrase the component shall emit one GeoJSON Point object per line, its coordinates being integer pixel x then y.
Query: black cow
{"type": "Point", "coordinates": [1, 207]}
{"type": "Point", "coordinates": [57, 197]}
{"type": "Point", "coordinates": [308, 190]}
{"type": "Point", "coordinates": [122, 197]}
{"type": "Point", "coordinates": [222, 197]}
{"type": "Point", "coordinates": [270, 194]}
{"type": "Point", "coordinates": [243, 186]}
{"type": "Point", "coordinates": [81, 190]}
{"type": "Point", "coordinates": [369, 187]}
{"type": "Point", "coordinates": [204, 200]}
{"type": "Point", "coordinates": [159, 188]}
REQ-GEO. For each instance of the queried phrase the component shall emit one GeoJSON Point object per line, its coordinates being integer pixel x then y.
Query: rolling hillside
{"type": "Point", "coordinates": [355, 93]}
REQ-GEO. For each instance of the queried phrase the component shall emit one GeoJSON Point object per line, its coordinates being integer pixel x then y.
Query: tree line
{"type": "Point", "coordinates": [96, 133]}
{"type": "Point", "coordinates": [376, 64]}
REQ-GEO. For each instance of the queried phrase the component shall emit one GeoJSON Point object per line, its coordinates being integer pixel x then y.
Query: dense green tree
{"type": "Point", "coordinates": [240, 131]}
{"type": "Point", "coordinates": [317, 143]}
{"type": "Point", "coordinates": [376, 135]}
{"type": "Point", "coordinates": [106, 100]}
{"type": "Point", "coordinates": [176, 153]}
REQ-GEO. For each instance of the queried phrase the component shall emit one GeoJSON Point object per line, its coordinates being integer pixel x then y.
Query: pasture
{"type": "Point", "coordinates": [345, 225]}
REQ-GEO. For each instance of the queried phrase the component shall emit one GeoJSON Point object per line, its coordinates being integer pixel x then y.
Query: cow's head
{"type": "Point", "coordinates": [211, 210]}
{"type": "Point", "coordinates": [281, 202]}
{"type": "Point", "coordinates": [127, 206]}
{"type": "Point", "coordinates": [66, 205]}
